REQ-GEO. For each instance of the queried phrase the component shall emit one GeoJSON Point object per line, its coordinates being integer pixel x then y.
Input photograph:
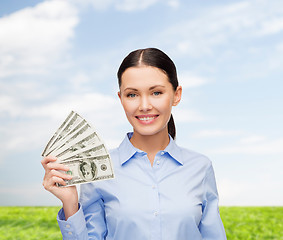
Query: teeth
{"type": "Point", "coordinates": [146, 118]}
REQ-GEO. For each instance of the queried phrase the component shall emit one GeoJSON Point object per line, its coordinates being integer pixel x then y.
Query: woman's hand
{"type": "Point", "coordinates": [55, 173]}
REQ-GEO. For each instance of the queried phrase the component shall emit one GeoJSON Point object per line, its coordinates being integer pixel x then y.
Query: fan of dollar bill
{"type": "Point", "coordinates": [77, 145]}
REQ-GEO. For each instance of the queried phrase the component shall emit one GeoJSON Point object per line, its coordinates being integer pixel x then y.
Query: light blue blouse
{"type": "Point", "coordinates": [175, 199]}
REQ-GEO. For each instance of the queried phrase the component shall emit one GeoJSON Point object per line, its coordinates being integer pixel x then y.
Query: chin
{"type": "Point", "coordinates": [149, 132]}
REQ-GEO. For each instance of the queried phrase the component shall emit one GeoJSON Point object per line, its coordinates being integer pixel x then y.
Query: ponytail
{"type": "Point", "coordinates": [171, 127]}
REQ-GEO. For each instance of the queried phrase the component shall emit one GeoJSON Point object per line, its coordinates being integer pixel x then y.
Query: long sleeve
{"type": "Point", "coordinates": [88, 223]}
{"type": "Point", "coordinates": [74, 227]}
{"type": "Point", "coordinates": [94, 212]}
{"type": "Point", "coordinates": [211, 226]}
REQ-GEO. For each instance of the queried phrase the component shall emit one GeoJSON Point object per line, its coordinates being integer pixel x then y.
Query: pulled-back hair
{"type": "Point", "coordinates": [155, 58]}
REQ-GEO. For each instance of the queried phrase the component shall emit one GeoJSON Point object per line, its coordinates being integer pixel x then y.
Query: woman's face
{"type": "Point", "coordinates": [147, 97]}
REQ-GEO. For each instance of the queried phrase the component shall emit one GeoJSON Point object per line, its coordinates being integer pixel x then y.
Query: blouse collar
{"type": "Point", "coordinates": [127, 150]}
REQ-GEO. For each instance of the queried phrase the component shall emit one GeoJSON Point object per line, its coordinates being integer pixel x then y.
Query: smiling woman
{"type": "Point", "coordinates": [161, 191]}
{"type": "Point", "coordinates": [147, 98]}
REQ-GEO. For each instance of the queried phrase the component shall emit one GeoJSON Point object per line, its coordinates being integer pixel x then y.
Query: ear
{"type": "Point", "coordinates": [119, 95]}
{"type": "Point", "coordinates": [177, 96]}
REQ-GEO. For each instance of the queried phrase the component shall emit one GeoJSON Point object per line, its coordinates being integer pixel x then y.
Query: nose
{"type": "Point", "coordinates": [145, 104]}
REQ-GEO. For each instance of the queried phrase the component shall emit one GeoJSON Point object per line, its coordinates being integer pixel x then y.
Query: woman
{"type": "Point", "coordinates": [160, 190]}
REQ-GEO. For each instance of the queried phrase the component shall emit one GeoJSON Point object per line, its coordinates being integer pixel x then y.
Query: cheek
{"type": "Point", "coordinates": [129, 107]}
{"type": "Point", "coordinates": [163, 105]}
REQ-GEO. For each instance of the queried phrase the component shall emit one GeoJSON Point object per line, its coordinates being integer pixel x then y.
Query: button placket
{"type": "Point", "coordinates": [155, 208]}
{"type": "Point", "coordinates": [159, 158]}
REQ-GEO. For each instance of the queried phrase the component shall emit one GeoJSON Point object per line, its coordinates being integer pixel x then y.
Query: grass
{"type": "Point", "coordinates": [29, 223]}
{"type": "Point", "coordinates": [241, 223]}
{"type": "Point", "coordinates": [253, 223]}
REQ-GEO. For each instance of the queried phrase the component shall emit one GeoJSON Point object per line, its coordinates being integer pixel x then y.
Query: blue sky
{"type": "Point", "coordinates": [59, 55]}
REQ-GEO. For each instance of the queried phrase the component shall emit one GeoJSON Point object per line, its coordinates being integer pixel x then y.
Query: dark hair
{"type": "Point", "coordinates": [155, 58]}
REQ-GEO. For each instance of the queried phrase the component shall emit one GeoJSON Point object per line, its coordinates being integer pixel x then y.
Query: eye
{"type": "Point", "coordinates": [131, 95]}
{"type": "Point", "coordinates": [156, 93]}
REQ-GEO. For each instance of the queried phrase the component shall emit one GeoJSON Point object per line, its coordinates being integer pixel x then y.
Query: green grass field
{"type": "Point", "coordinates": [245, 223]}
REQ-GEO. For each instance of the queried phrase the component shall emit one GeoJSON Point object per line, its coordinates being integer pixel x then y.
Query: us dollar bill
{"type": "Point", "coordinates": [54, 137]}
{"type": "Point", "coordinates": [84, 153]}
{"type": "Point", "coordinates": [90, 169]}
{"type": "Point", "coordinates": [88, 139]}
{"type": "Point", "coordinates": [74, 121]}
{"type": "Point", "coordinates": [68, 125]}
{"type": "Point", "coordinates": [77, 144]}
{"type": "Point", "coordinates": [76, 135]}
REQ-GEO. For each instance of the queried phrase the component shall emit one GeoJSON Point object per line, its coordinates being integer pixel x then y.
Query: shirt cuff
{"type": "Point", "coordinates": [74, 226]}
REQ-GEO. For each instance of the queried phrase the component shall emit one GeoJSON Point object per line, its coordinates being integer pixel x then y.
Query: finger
{"type": "Point", "coordinates": [56, 166]}
{"type": "Point", "coordinates": [49, 177]}
{"type": "Point", "coordinates": [52, 183]}
{"type": "Point", "coordinates": [60, 174]}
{"type": "Point", "coordinates": [48, 159]}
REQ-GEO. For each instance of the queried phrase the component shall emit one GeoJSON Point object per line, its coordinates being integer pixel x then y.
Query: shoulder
{"type": "Point", "coordinates": [114, 154]}
{"type": "Point", "coordinates": [114, 151]}
{"type": "Point", "coordinates": [192, 157]}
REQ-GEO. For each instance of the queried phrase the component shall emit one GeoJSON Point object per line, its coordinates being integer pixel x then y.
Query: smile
{"type": "Point", "coordinates": [146, 118]}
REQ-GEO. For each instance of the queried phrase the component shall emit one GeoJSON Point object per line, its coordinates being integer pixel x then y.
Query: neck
{"type": "Point", "coordinates": [151, 144]}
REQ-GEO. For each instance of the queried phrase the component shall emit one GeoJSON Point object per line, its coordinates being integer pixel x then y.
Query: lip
{"type": "Point", "coordinates": [146, 119]}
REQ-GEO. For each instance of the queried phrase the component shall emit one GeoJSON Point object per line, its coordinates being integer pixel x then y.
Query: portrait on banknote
{"type": "Point", "coordinates": [87, 170]}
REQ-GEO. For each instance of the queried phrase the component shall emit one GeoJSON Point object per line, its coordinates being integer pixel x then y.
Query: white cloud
{"type": "Point", "coordinates": [133, 5]}
{"type": "Point", "coordinates": [99, 109]}
{"type": "Point", "coordinates": [253, 148]}
{"type": "Point", "coordinates": [102, 106]}
{"type": "Point", "coordinates": [244, 143]}
{"type": "Point", "coordinates": [8, 105]}
{"type": "Point", "coordinates": [217, 133]}
{"type": "Point", "coordinates": [255, 183]}
{"type": "Point", "coordinates": [279, 47]}
{"type": "Point", "coordinates": [220, 25]}
{"type": "Point", "coordinates": [96, 4]}
{"type": "Point", "coordinates": [252, 139]}
{"type": "Point", "coordinates": [196, 37]}
{"type": "Point", "coordinates": [258, 191]}
{"type": "Point", "coordinates": [230, 191]}
{"type": "Point", "coordinates": [29, 195]}
{"type": "Point", "coordinates": [120, 5]}
{"type": "Point", "coordinates": [272, 26]}
{"type": "Point", "coordinates": [31, 39]}
{"type": "Point", "coordinates": [19, 137]}
{"type": "Point", "coordinates": [185, 115]}
{"type": "Point", "coordinates": [189, 80]}
{"type": "Point", "coordinates": [174, 3]}
{"type": "Point", "coordinates": [80, 80]}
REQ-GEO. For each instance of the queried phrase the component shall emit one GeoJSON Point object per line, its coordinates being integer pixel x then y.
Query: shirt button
{"type": "Point", "coordinates": [162, 153]}
{"type": "Point", "coordinates": [70, 233]}
{"type": "Point", "coordinates": [155, 213]}
{"type": "Point", "coordinates": [67, 226]}
{"type": "Point", "coordinates": [153, 186]}
{"type": "Point", "coordinates": [158, 162]}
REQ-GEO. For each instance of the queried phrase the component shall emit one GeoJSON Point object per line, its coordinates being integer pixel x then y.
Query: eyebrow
{"type": "Point", "coordinates": [134, 89]}
{"type": "Point", "coordinates": [155, 86]}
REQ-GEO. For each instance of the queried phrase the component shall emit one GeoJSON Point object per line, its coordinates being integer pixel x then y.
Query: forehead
{"type": "Point", "coordinates": [144, 75]}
